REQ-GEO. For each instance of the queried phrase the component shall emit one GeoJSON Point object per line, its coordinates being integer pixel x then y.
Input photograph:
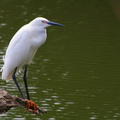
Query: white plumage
{"type": "Point", "coordinates": [24, 45]}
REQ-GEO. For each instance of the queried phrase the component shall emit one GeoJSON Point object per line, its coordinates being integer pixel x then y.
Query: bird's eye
{"type": "Point", "coordinates": [43, 21]}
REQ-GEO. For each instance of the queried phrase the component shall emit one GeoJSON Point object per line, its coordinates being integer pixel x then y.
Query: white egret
{"type": "Point", "coordinates": [22, 49]}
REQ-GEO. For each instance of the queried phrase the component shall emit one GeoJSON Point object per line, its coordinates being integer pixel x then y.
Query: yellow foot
{"type": "Point", "coordinates": [31, 105]}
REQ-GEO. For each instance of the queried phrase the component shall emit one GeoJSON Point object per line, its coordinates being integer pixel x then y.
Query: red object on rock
{"type": "Point", "coordinates": [31, 105]}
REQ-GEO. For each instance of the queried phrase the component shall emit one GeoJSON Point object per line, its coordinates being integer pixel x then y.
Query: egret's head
{"type": "Point", "coordinates": [43, 22]}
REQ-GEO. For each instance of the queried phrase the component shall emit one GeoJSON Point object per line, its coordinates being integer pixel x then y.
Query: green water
{"type": "Point", "coordinates": [76, 73]}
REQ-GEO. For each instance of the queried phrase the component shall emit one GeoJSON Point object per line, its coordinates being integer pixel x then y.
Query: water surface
{"type": "Point", "coordinates": [76, 73]}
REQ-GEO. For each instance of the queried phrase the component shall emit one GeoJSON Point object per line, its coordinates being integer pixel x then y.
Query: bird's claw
{"type": "Point", "coordinates": [31, 105]}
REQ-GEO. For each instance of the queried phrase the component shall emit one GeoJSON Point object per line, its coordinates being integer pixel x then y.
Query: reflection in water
{"type": "Point", "coordinates": [2, 25]}
{"type": "Point", "coordinates": [116, 7]}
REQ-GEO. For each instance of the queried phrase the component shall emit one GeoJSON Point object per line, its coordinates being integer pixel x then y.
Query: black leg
{"type": "Point", "coordinates": [14, 78]}
{"type": "Point", "coordinates": [25, 82]}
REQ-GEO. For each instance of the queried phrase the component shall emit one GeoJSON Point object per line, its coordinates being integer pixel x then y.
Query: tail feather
{"type": "Point", "coordinates": [6, 75]}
